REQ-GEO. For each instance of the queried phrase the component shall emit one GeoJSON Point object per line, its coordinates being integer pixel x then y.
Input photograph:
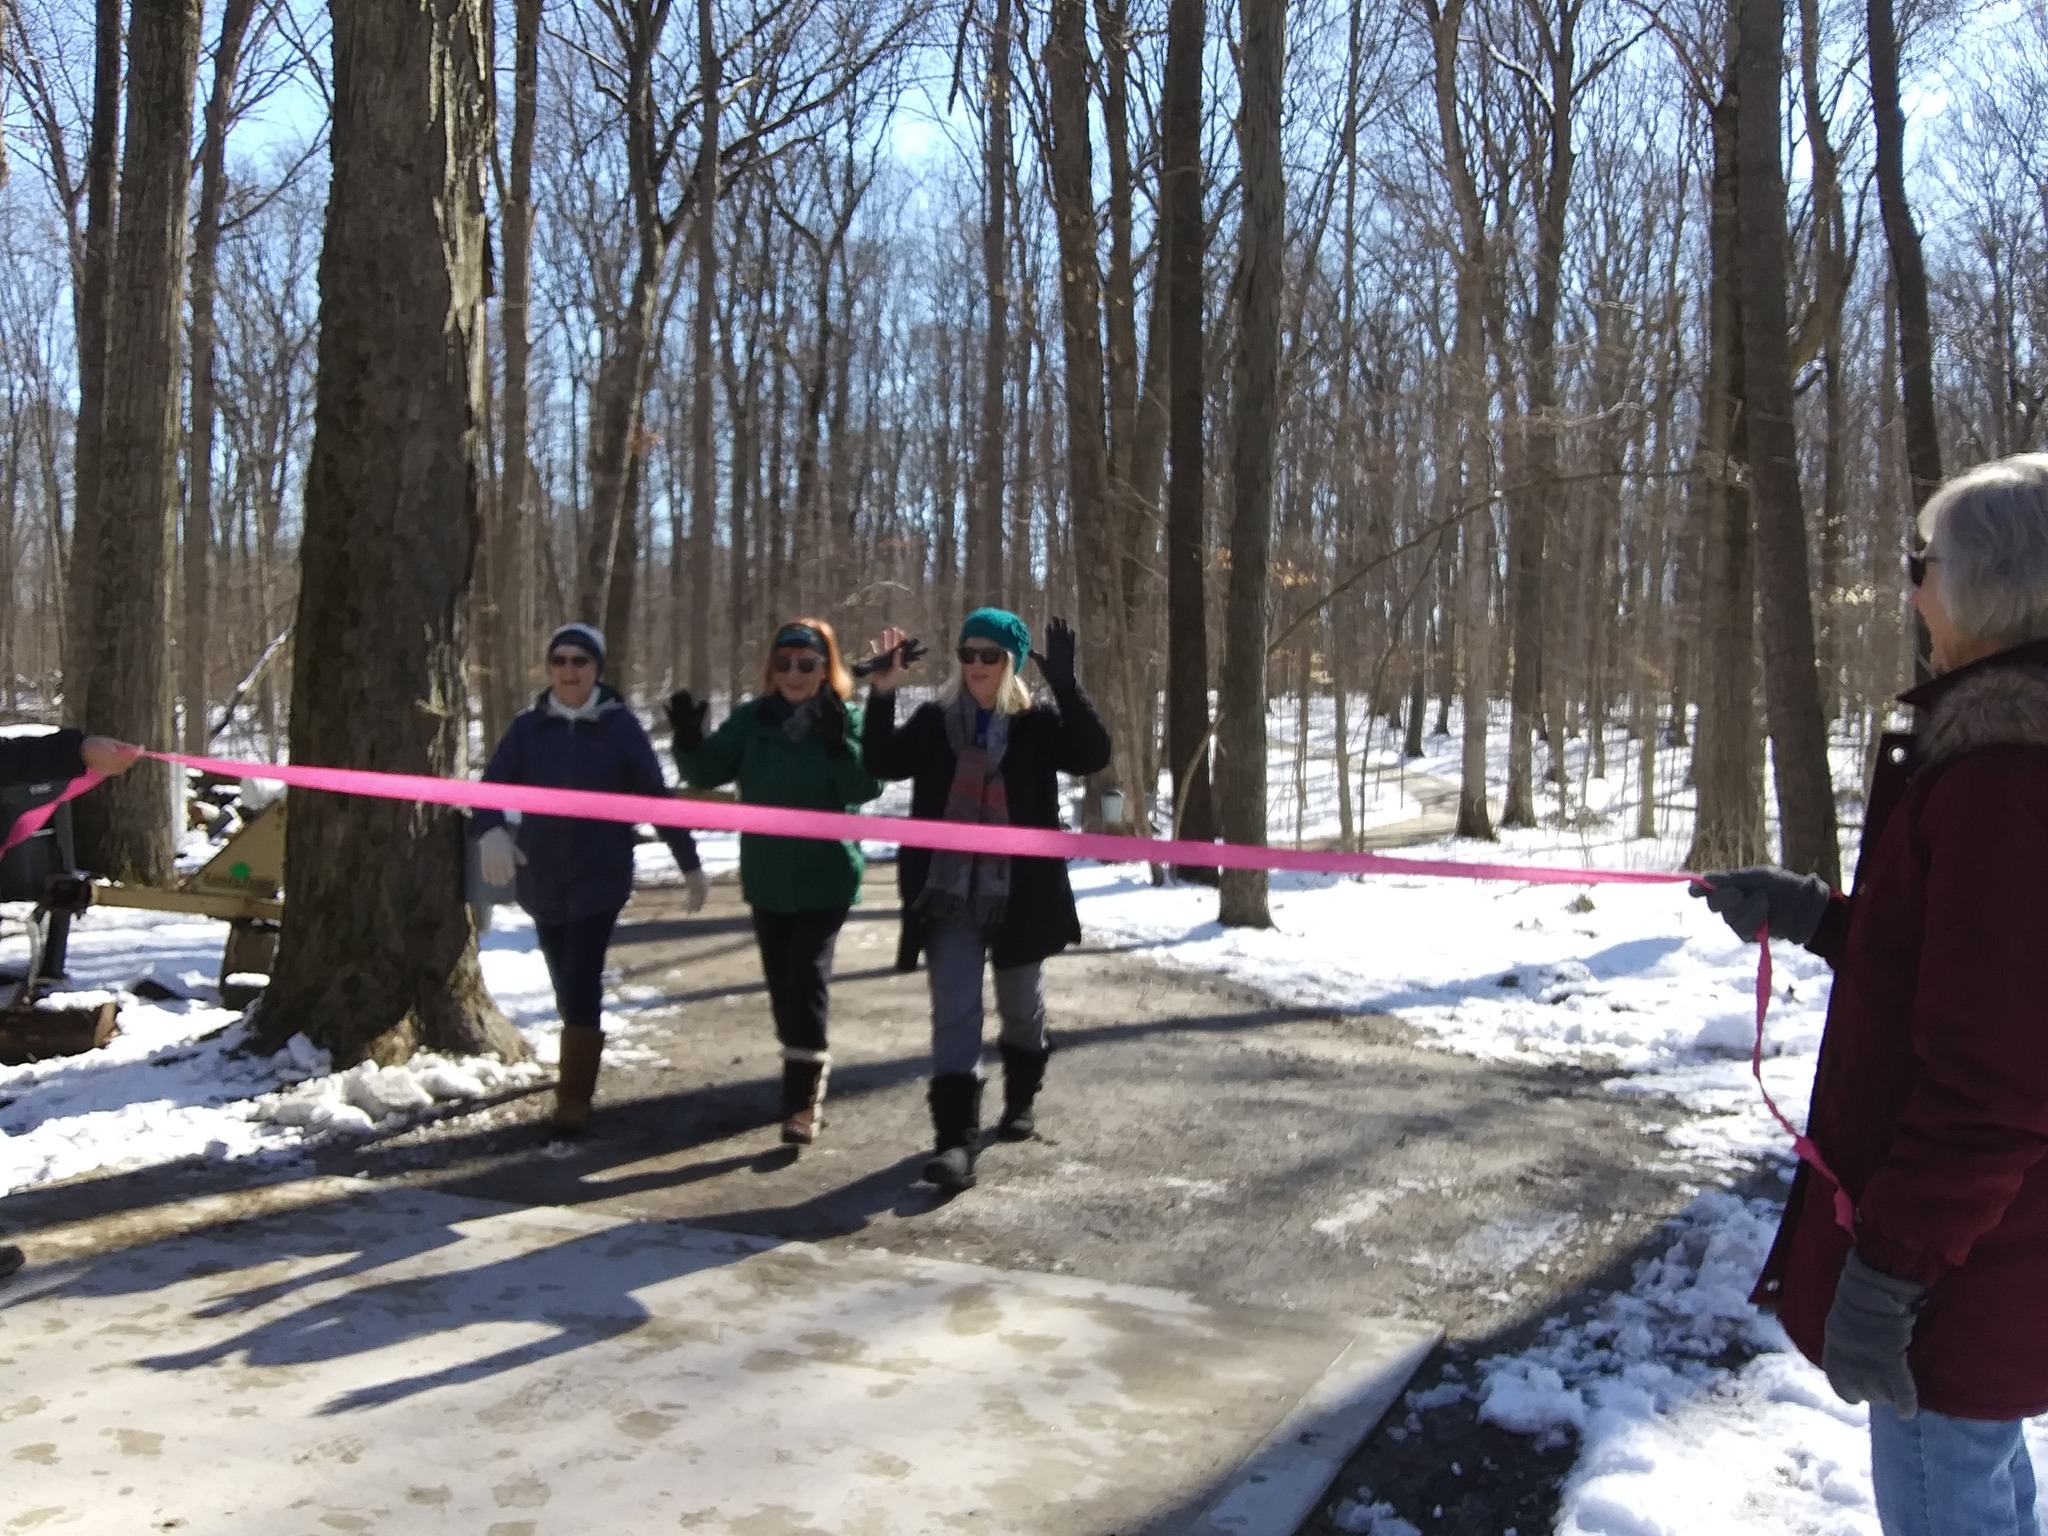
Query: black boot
{"type": "Point", "coordinates": [1023, 1074]}
{"type": "Point", "coordinates": [803, 1097]}
{"type": "Point", "coordinates": [956, 1130]}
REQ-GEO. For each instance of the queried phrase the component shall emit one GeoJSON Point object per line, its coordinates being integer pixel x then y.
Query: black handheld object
{"type": "Point", "coordinates": [912, 652]}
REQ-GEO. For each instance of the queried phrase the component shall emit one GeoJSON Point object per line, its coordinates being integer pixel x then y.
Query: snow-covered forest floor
{"type": "Point", "coordinates": [1688, 1411]}
{"type": "Point", "coordinates": [1683, 1409]}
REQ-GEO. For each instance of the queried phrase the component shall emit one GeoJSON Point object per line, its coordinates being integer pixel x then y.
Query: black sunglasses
{"type": "Point", "coordinates": [571, 659]}
{"type": "Point", "coordinates": [988, 656]}
{"type": "Point", "coordinates": [1916, 568]}
{"type": "Point", "coordinates": [804, 661]}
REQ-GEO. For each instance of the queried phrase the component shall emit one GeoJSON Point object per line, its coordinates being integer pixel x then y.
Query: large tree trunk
{"type": "Point", "coordinates": [507, 596]}
{"type": "Point", "coordinates": [1909, 272]}
{"type": "Point", "coordinates": [1728, 823]}
{"type": "Point", "coordinates": [1094, 517]}
{"type": "Point", "coordinates": [985, 512]}
{"type": "Point", "coordinates": [1255, 409]}
{"type": "Point", "coordinates": [703, 457]}
{"type": "Point", "coordinates": [89, 318]}
{"type": "Point", "coordinates": [1799, 744]}
{"type": "Point", "coordinates": [198, 563]}
{"type": "Point", "coordinates": [378, 956]}
{"type": "Point", "coordinates": [1184, 239]}
{"type": "Point", "coordinates": [125, 829]}
{"type": "Point", "coordinates": [1531, 510]}
{"type": "Point", "coordinates": [1468, 399]}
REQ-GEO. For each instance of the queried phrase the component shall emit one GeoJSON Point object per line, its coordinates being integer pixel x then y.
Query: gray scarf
{"type": "Point", "coordinates": [971, 888]}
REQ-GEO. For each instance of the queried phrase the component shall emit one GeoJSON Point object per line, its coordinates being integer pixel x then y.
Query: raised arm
{"type": "Point", "coordinates": [716, 760]}
{"type": "Point", "coordinates": [852, 780]}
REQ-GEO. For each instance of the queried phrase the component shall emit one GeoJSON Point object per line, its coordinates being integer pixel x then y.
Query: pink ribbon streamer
{"type": "Point", "coordinates": [914, 832]}
{"type": "Point", "coordinates": [1802, 1144]}
{"type": "Point", "coordinates": [30, 822]}
{"type": "Point", "coordinates": [910, 832]}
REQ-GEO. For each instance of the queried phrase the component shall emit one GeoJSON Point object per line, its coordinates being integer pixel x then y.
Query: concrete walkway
{"type": "Point", "coordinates": [400, 1361]}
{"type": "Point", "coordinates": [1254, 1185]}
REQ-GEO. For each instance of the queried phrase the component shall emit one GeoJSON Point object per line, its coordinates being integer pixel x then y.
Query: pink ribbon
{"type": "Point", "coordinates": [914, 832]}
{"type": "Point", "coordinates": [910, 832]}
{"type": "Point", "coordinates": [30, 822]}
{"type": "Point", "coordinates": [1845, 1208]}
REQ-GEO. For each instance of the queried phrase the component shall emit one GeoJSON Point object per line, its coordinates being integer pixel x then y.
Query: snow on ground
{"type": "Point", "coordinates": [1674, 1439]}
{"type": "Point", "coordinates": [179, 1081]}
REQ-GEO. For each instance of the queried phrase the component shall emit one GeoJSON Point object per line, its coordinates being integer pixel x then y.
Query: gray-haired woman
{"type": "Point", "coordinates": [1930, 1103]}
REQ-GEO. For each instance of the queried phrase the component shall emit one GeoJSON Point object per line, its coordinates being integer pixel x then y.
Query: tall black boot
{"type": "Point", "coordinates": [956, 1130]}
{"type": "Point", "coordinates": [1023, 1075]}
{"type": "Point", "coordinates": [803, 1095]}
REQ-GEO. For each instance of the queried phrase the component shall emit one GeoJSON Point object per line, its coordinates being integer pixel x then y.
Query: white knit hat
{"type": "Point", "coordinates": [586, 637]}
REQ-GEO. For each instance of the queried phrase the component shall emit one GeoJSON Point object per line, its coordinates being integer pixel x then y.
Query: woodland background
{"type": "Point", "coordinates": [1502, 364]}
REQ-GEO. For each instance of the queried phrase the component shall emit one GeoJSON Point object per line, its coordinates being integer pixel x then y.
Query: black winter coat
{"type": "Point", "coordinates": [1047, 740]}
{"type": "Point", "coordinates": [576, 868]}
{"type": "Point", "coordinates": [44, 758]}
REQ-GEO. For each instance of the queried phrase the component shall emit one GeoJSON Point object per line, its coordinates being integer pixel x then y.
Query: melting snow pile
{"type": "Point", "coordinates": [179, 1079]}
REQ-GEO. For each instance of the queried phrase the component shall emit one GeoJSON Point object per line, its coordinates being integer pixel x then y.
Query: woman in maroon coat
{"type": "Point", "coordinates": [1930, 1102]}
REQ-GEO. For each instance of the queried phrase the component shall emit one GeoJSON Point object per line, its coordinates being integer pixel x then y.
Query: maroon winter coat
{"type": "Point", "coordinates": [1931, 1095]}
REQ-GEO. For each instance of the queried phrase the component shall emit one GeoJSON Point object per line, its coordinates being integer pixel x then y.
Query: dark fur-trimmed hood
{"type": "Point", "coordinates": [1994, 706]}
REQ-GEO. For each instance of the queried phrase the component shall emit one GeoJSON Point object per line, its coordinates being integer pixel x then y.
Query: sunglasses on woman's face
{"type": "Point", "coordinates": [570, 660]}
{"type": "Point", "coordinates": [805, 662]}
{"type": "Point", "coordinates": [987, 656]}
{"type": "Point", "coordinates": [1916, 568]}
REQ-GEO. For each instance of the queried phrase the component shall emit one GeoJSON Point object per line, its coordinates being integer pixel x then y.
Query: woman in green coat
{"type": "Point", "coordinates": [797, 744]}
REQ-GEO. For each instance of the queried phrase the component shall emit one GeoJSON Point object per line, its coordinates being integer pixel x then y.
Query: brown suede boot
{"type": "Point", "coordinates": [576, 1081]}
{"type": "Point", "coordinates": [803, 1097]}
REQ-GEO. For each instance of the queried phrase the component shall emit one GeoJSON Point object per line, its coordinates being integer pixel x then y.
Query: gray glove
{"type": "Point", "coordinates": [1869, 1328]}
{"type": "Point", "coordinates": [498, 857]}
{"type": "Point", "coordinates": [1747, 899]}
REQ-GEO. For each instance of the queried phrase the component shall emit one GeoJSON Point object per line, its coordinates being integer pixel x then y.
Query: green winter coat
{"type": "Point", "coordinates": [787, 874]}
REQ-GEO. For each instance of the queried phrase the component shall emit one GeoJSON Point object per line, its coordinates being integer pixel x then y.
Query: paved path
{"type": "Point", "coordinates": [1196, 1138]}
{"type": "Point", "coordinates": [373, 1359]}
{"type": "Point", "coordinates": [1194, 1135]}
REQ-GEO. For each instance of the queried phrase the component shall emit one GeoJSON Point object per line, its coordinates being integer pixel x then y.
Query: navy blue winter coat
{"type": "Point", "coordinates": [576, 868]}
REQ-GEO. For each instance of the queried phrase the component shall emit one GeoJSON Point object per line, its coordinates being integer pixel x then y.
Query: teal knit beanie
{"type": "Point", "coordinates": [1001, 627]}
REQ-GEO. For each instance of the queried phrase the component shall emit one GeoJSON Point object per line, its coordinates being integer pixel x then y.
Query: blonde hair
{"type": "Point", "coordinates": [837, 678]}
{"type": "Point", "coordinates": [1012, 697]}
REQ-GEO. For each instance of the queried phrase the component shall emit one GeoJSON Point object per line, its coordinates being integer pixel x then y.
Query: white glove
{"type": "Point", "coordinates": [697, 889]}
{"type": "Point", "coordinates": [498, 857]}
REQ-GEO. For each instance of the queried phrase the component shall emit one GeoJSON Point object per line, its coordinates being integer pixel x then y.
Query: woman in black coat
{"type": "Point", "coordinates": [984, 752]}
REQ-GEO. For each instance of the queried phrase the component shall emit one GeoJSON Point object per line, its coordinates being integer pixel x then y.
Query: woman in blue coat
{"type": "Point", "coordinates": [573, 876]}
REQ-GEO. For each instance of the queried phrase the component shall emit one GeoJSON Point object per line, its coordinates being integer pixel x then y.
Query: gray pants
{"type": "Point", "coordinates": [954, 955]}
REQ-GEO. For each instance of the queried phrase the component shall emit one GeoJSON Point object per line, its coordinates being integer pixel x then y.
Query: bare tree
{"type": "Point", "coordinates": [126, 831]}
{"type": "Point", "coordinates": [1254, 427]}
{"type": "Point", "coordinates": [378, 955]}
{"type": "Point", "coordinates": [1184, 234]}
{"type": "Point", "coordinates": [197, 633]}
{"type": "Point", "coordinates": [1799, 747]}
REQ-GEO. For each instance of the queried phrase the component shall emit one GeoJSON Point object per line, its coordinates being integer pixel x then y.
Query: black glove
{"type": "Point", "coordinates": [1747, 899]}
{"type": "Point", "coordinates": [686, 720]}
{"type": "Point", "coordinates": [1057, 660]}
{"type": "Point", "coordinates": [1868, 1330]}
{"type": "Point", "coordinates": [830, 725]}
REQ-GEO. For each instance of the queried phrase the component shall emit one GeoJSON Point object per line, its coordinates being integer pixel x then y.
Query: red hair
{"type": "Point", "coordinates": [837, 678]}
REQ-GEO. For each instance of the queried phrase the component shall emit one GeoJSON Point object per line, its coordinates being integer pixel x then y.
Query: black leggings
{"type": "Point", "coordinates": [796, 960]}
{"type": "Point", "coordinates": [574, 952]}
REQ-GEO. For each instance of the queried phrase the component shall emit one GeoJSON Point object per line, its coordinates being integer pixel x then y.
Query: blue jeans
{"type": "Point", "coordinates": [1937, 1476]}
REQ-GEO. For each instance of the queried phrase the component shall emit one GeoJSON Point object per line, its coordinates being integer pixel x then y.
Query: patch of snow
{"type": "Point", "coordinates": [1375, 1519]}
{"type": "Point", "coordinates": [179, 1078]}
